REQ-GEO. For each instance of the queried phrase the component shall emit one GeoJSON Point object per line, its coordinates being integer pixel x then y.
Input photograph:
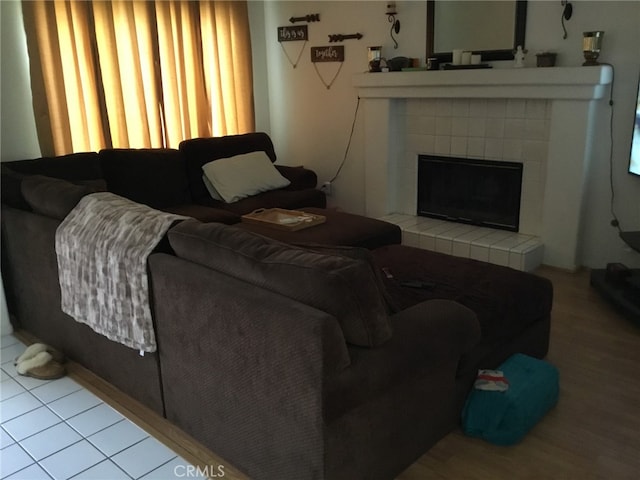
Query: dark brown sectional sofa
{"type": "Point", "coordinates": [170, 179]}
{"type": "Point", "coordinates": [289, 361]}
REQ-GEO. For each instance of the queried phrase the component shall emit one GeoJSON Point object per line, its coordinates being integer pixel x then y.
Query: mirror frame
{"type": "Point", "coordinates": [487, 55]}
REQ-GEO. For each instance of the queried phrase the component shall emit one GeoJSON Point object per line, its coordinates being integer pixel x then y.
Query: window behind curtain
{"type": "Point", "coordinates": [140, 74]}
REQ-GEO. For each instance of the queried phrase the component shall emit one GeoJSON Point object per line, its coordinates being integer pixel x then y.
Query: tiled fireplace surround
{"type": "Point", "coordinates": [545, 118]}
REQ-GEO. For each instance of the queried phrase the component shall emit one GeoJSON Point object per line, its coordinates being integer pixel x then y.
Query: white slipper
{"type": "Point", "coordinates": [35, 348]}
{"type": "Point", "coordinates": [41, 366]}
{"type": "Point", "coordinates": [31, 351]}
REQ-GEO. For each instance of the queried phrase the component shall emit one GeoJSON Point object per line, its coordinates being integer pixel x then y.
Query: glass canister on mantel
{"type": "Point", "coordinates": [591, 44]}
{"type": "Point", "coordinates": [374, 55]}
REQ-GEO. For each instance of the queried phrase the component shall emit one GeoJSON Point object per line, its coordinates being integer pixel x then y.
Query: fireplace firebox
{"type": "Point", "coordinates": [477, 192]}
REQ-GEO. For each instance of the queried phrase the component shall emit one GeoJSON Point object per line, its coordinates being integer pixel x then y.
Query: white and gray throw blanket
{"type": "Point", "coordinates": [102, 248]}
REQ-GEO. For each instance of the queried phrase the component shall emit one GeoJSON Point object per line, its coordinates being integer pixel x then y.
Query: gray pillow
{"type": "Point", "coordinates": [343, 287]}
{"type": "Point", "coordinates": [52, 197]}
{"type": "Point", "coordinates": [357, 253]}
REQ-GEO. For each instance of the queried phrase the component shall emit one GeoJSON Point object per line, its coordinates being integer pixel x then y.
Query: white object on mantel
{"type": "Point", "coordinates": [518, 58]}
{"type": "Point", "coordinates": [577, 111]}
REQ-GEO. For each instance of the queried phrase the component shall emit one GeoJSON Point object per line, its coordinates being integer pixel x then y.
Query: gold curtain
{"type": "Point", "coordinates": [63, 77]}
{"type": "Point", "coordinates": [138, 74]}
{"type": "Point", "coordinates": [187, 111]}
{"type": "Point", "coordinates": [124, 37]}
{"type": "Point", "coordinates": [227, 53]}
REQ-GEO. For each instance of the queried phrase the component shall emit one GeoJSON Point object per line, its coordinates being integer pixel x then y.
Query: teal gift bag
{"type": "Point", "coordinates": [504, 418]}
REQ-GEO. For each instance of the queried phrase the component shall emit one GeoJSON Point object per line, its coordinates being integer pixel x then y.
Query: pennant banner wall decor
{"type": "Point", "coordinates": [332, 53]}
{"type": "Point", "coordinates": [293, 34]}
{"type": "Point", "coordinates": [326, 55]}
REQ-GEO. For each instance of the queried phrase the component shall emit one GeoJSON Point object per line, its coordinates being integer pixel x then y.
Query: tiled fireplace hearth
{"type": "Point", "coordinates": [545, 118]}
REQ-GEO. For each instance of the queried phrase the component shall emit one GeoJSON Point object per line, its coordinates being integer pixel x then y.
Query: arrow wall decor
{"type": "Point", "coordinates": [339, 37]}
{"type": "Point", "coordinates": [313, 17]}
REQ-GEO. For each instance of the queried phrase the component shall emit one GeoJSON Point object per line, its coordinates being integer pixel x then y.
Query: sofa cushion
{"type": "Point", "coordinates": [198, 151]}
{"type": "Point", "coordinates": [72, 167]}
{"type": "Point", "coordinates": [341, 228]}
{"type": "Point", "coordinates": [204, 214]}
{"type": "Point", "coordinates": [52, 197]}
{"type": "Point", "coordinates": [243, 176]}
{"type": "Point", "coordinates": [280, 198]}
{"type": "Point", "coordinates": [357, 253]}
{"type": "Point", "coordinates": [300, 177]}
{"type": "Point", "coordinates": [505, 300]}
{"type": "Point", "coordinates": [156, 177]}
{"type": "Point", "coordinates": [341, 286]}
{"type": "Point", "coordinates": [11, 188]}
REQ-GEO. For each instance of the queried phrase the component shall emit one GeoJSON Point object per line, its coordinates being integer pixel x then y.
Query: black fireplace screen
{"type": "Point", "coordinates": [478, 192]}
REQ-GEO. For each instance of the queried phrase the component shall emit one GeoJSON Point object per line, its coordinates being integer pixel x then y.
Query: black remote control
{"type": "Point", "coordinates": [418, 284]}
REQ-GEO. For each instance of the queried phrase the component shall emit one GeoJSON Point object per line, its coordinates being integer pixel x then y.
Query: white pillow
{"type": "Point", "coordinates": [241, 176]}
{"type": "Point", "coordinates": [211, 189]}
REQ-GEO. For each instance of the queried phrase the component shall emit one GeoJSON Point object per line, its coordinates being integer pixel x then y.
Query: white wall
{"type": "Point", "coordinates": [259, 59]}
{"type": "Point", "coordinates": [621, 23]}
{"type": "Point", "coordinates": [18, 138]}
{"type": "Point", "coordinates": [310, 125]}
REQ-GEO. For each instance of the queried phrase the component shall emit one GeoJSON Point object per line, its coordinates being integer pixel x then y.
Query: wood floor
{"type": "Point", "coordinates": [593, 432]}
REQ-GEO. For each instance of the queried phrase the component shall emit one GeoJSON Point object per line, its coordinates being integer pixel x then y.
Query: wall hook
{"type": "Point", "coordinates": [395, 24]}
{"type": "Point", "coordinates": [566, 15]}
{"type": "Point", "coordinates": [395, 27]}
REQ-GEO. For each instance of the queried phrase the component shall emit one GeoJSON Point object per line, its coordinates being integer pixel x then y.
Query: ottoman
{"type": "Point", "coordinates": [504, 418]}
{"type": "Point", "coordinates": [513, 307]}
{"type": "Point", "coordinates": [505, 300]}
{"type": "Point", "coordinates": [340, 229]}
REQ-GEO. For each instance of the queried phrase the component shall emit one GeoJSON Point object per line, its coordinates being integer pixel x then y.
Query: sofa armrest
{"type": "Point", "coordinates": [428, 341]}
{"type": "Point", "coordinates": [442, 327]}
{"type": "Point", "coordinates": [299, 177]}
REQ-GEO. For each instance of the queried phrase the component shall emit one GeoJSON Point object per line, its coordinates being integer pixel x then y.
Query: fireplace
{"type": "Point", "coordinates": [477, 192]}
{"type": "Point", "coordinates": [547, 118]}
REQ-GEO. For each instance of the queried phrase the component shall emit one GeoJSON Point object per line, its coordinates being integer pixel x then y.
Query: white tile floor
{"type": "Point", "coordinates": [58, 430]}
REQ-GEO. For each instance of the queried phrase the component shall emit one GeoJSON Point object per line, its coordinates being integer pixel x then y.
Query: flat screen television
{"type": "Point", "coordinates": [634, 158]}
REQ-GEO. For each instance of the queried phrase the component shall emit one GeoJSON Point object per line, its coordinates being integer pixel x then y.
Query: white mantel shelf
{"type": "Point", "coordinates": [566, 83]}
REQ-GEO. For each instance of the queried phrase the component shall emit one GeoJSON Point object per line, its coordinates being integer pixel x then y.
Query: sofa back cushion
{"type": "Point", "coordinates": [156, 177]}
{"type": "Point", "coordinates": [199, 151]}
{"type": "Point", "coordinates": [343, 287]}
{"type": "Point", "coordinates": [357, 253]}
{"type": "Point", "coordinates": [72, 167]}
{"type": "Point", "coordinates": [52, 197]}
{"type": "Point", "coordinates": [11, 188]}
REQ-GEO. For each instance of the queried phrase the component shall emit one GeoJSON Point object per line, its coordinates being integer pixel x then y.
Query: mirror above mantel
{"type": "Point", "coordinates": [493, 29]}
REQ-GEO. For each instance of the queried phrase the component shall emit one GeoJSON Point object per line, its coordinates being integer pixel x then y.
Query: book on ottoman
{"type": "Point", "coordinates": [504, 417]}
